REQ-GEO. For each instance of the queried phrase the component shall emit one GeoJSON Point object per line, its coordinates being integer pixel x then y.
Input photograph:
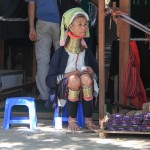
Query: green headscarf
{"type": "Point", "coordinates": [67, 19]}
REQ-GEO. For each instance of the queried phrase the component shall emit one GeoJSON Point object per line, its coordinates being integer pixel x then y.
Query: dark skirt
{"type": "Point", "coordinates": [62, 89]}
{"type": "Point", "coordinates": [57, 93]}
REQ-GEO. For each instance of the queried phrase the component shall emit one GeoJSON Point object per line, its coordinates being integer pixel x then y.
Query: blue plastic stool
{"type": "Point", "coordinates": [80, 116]}
{"type": "Point", "coordinates": [26, 101]}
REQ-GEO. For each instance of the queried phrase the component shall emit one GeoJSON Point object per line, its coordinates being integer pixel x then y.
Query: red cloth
{"type": "Point", "coordinates": [132, 85]}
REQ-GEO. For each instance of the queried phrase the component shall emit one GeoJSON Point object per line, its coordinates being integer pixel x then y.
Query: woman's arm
{"type": "Point", "coordinates": [51, 79]}
{"type": "Point", "coordinates": [92, 62]}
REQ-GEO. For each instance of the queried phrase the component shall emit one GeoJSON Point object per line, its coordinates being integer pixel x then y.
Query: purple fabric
{"type": "Point", "coordinates": [117, 116]}
{"type": "Point", "coordinates": [147, 116]}
{"type": "Point", "coordinates": [135, 123]}
{"type": "Point", "coordinates": [127, 118]}
{"type": "Point", "coordinates": [138, 117]}
{"type": "Point", "coordinates": [145, 128]}
{"type": "Point", "coordinates": [146, 122]}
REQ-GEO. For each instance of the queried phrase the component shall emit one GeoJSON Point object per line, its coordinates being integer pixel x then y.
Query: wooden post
{"type": "Point", "coordinates": [124, 35]}
{"type": "Point", "coordinates": [101, 46]}
{"type": "Point", "coordinates": [1, 54]}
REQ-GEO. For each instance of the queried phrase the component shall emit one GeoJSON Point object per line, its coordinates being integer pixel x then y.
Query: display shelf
{"type": "Point", "coordinates": [106, 133]}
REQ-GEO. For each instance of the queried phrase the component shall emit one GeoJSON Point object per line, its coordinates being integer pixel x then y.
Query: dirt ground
{"type": "Point", "coordinates": [45, 137]}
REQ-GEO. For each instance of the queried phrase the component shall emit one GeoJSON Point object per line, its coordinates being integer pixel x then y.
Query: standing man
{"type": "Point", "coordinates": [46, 32]}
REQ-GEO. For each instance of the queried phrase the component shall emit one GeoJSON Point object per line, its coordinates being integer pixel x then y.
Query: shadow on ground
{"type": "Point", "coordinates": [47, 138]}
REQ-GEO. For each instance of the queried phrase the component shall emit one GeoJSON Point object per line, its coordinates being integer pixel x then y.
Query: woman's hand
{"type": "Point", "coordinates": [89, 71]}
{"type": "Point", "coordinates": [78, 73]}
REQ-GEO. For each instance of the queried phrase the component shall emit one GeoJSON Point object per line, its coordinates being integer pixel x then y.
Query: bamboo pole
{"type": "Point", "coordinates": [101, 45]}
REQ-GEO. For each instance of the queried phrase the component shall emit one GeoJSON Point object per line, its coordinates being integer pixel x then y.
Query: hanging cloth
{"type": "Point", "coordinates": [132, 84]}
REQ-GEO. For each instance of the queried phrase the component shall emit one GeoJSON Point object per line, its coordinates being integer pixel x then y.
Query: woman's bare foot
{"type": "Point", "coordinates": [72, 124]}
{"type": "Point", "coordinates": [90, 125]}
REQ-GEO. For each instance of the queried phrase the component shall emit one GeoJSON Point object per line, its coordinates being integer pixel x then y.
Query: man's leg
{"type": "Point", "coordinates": [42, 51]}
{"type": "Point", "coordinates": [55, 29]}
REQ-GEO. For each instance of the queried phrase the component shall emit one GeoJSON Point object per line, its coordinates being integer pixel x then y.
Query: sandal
{"type": "Point", "coordinates": [90, 125]}
{"type": "Point", "coordinates": [72, 124]}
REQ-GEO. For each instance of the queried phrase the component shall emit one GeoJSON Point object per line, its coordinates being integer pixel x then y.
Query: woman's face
{"type": "Point", "coordinates": [79, 26]}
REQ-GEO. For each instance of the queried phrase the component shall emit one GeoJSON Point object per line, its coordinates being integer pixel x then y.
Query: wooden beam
{"type": "Point", "coordinates": [101, 46]}
{"type": "Point", "coordinates": [1, 54]}
{"type": "Point", "coordinates": [124, 35]}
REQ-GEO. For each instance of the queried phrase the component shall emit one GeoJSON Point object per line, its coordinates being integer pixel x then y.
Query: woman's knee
{"type": "Point", "coordinates": [86, 80]}
{"type": "Point", "coordinates": [73, 88]}
{"type": "Point", "coordinates": [74, 82]}
{"type": "Point", "coordinates": [87, 87]}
